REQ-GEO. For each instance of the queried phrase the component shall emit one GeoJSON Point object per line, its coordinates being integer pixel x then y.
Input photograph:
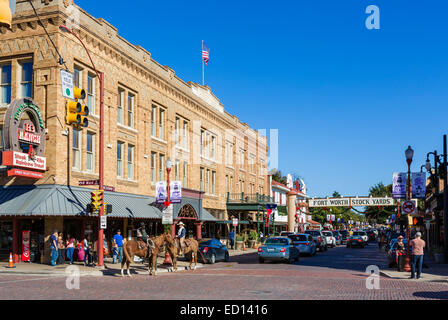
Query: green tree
{"type": "Point", "coordinates": [277, 176]}
{"type": "Point", "coordinates": [380, 214]}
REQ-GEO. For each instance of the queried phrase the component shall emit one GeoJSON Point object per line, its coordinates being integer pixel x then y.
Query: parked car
{"type": "Point", "coordinates": [213, 250]}
{"type": "Point", "coordinates": [356, 241]}
{"type": "Point", "coordinates": [319, 238]}
{"type": "Point", "coordinates": [345, 234]}
{"type": "Point", "coordinates": [331, 240]}
{"type": "Point", "coordinates": [286, 233]}
{"type": "Point", "coordinates": [363, 234]}
{"type": "Point", "coordinates": [337, 236]}
{"type": "Point", "coordinates": [278, 248]}
{"type": "Point", "coordinates": [305, 243]}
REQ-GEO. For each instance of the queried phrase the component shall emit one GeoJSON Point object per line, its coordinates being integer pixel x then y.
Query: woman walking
{"type": "Point", "coordinates": [399, 252]}
{"type": "Point", "coordinates": [70, 245]}
{"type": "Point", "coordinates": [61, 249]}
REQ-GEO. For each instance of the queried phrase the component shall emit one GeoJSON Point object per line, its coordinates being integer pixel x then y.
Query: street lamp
{"type": "Point", "coordinates": [409, 153]}
{"type": "Point", "coordinates": [168, 165]}
{"type": "Point", "coordinates": [100, 76]}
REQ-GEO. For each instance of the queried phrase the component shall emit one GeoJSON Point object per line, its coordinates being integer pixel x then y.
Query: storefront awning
{"type": "Point", "coordinates": [230, 221]}
{"type": "Point", "coordinates": [59, 200]}
{"type": "Point", "coordinates": [207, 216]}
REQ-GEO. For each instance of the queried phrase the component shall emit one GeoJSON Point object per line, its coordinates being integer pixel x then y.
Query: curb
{"type": "Point", "coordinates": [385, 274]}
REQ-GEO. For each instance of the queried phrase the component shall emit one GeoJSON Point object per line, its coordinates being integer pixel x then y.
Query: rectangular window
{"type": "Point", "coordinates": [131, 110]}
{"type": "Point", "coordinates": [153, 166]}
{"type": "Point", "coordinates": [207, 182]}
{"type": "Point", "coordinates": [161, 123]}
{"type": "Point", "coordinates": [91, 93]}
{"type": "Point", "coordinates": [5, 83]}
{"type": "Point", "coordinates": [176, 132]}
{"type": "Point", "coordinates": [76, 147]}
{"type": "Point", "coordinates": [231, 184]}
{"type": "Point", "coordinates": [26, 80]}
{"type": "Point", "coordinates": [153, 121]}
{"type": "Point", "coordinates": [212, 147]}
{"type": "Point", "coordinates": [185, 135]}
{"type": "Point", "coordinates": [130, 162]}
{"type": "Point", "coordinates": [120, 108]}
{"type": "Point", "coordinates": [77, 77]}
{"type": "Point", "coordinates": [90, 152]}
{"type": "Point", "coordinates": [185, 175]}
{"type": "Point", "coordinates": [120, 147]}
{"type": "Point", "coordinates": [213, 181]}
{"type": "Point", "coordinates": [227, 183]}
{"type": "Point", "coordinates": [161, 166]}
{"type": "Point", "coordinates": [202, 142]}
{"type": "Point", "coordinates": [201, 187]}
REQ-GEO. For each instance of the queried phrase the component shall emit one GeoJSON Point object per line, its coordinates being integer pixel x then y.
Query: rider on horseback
{"type": "Point", "coordinates": [142, 236]}
{"type": "Point", "coordinates": [181, 233]}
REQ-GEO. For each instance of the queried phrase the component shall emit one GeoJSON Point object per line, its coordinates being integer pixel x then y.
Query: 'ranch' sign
{"type": "Point", "coordinates": [351, 202]}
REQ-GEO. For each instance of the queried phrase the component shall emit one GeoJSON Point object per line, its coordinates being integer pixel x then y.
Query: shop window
{"type": "Point", "coordinates": [5, 83]}
{"type": "Point", "coordinates": [5, 237]}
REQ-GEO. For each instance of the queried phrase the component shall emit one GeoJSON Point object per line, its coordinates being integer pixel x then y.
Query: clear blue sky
{"type": "Point", "coordinates": [347, 101]}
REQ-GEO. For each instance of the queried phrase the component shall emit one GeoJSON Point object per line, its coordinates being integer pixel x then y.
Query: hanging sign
{"type": "Point", "coordinates": [176, 192]}
{"type": "Point", "coordinates": [160, 191]}
{"type": "Point", "coordinates": [418, 185]}
{"type": "Point", "coordinates": [167, 215]}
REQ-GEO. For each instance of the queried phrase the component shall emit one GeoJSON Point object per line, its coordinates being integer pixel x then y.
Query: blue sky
{"type": "Point", "coordinates": [347, 100]}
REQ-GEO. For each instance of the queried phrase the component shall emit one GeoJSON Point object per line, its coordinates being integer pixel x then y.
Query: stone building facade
{"type": "Point", "coordinates": [150, 113]}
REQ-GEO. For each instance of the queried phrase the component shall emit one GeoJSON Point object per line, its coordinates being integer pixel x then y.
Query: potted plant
{"type": "Point", "coordinates": [438, 254]}
{"type": "Point", "coordinates": [239, 242]}
{"type": "Point", "coordinates": [253, 236]}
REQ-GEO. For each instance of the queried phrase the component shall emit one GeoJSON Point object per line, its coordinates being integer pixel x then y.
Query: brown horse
{"type": "Point", "coordinates": [131, 248]}
{"type": "Point", "coordinates": [191, 250]}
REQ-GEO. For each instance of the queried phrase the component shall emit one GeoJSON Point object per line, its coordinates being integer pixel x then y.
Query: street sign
{"type": "Point", "coordinates": [103, 222]}
{"type": "Point", "coordinates": [67, 84]}
{"type": "Point", "coordinates": [167, 215]}
{"type": "Point", "coordinates": [235, 222]}
{"type": "Point", "coordinates": [89, 182]}
{"type": "Point", "coordinates": [408, 207]}
{"type": "Point", "coordinates": [108, 188]}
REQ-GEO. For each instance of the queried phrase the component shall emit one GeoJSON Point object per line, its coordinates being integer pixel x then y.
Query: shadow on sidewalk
{"type": "Point", "coordinates": [440, 295]}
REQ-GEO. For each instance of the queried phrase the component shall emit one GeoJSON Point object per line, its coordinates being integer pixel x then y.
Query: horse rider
{"type": "Point", "coordinates": [181, 233]}
{"type": "Point", "coordinates": [142, 236]}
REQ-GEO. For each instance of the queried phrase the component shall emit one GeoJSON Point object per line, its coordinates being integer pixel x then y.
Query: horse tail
{"type": "Point", "coordinates": [128, 257]}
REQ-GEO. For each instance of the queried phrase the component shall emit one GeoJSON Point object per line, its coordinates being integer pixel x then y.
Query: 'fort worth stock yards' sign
{"type": "Point", "coordinates": [351, 202]}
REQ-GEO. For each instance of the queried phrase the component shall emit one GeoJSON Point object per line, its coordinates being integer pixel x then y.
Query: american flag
{"type": "Point", "coordinates": [205, 52]}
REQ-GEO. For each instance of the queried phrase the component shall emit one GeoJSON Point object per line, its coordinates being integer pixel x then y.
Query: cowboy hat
{"type": "Point", "coordinates": [180, 224]}
{"type": "Point", "coordinates": [400, 237]}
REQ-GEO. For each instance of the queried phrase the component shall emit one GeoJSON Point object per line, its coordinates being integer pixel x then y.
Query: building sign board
{"type": "Point", "coordinates": [354, 202]}
{"type": "Point", "coordinates": [67, 84]}
{"type": "Point", "coordinates": [23, 160]}
{"type": "Point", "coordinates": [167, 214]}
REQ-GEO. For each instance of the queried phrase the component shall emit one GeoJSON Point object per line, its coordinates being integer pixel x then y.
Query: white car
{"type": "Point", "coordinates": [363, 235]}
{"type": "Point", "coordinates": [331, 240]}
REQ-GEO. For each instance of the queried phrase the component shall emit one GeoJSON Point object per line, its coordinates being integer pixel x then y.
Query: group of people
{"type": "Point", "coordinates": [417, 245]}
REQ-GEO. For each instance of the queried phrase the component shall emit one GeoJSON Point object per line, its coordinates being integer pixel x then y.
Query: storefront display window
{"type": "Point", "coordinates": [5, 237]}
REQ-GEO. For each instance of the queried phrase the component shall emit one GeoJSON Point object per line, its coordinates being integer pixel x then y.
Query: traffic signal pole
{"type": "Point", "coordinates": [101, 172]}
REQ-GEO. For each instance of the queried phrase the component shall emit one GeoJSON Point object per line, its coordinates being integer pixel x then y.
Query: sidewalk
{"type": "Point", "coordinates": [434, 273]}
{"type": "Point", "coordinates": [109, 269]}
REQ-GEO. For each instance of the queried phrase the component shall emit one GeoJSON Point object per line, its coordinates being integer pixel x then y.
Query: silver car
{"type": "Point", "coordinates": [278, 248]}
{"type": "Point", "coordinates": [331, 240]}
{"type": "Point", "coordinates": [305, 243]}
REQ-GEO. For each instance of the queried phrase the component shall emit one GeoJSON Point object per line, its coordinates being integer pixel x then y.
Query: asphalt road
{"type": "Point", "coordinates": [339, 273]}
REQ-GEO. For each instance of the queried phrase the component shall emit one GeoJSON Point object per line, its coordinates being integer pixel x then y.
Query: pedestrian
{"type": "Point", "coordinates": [417, 245]}
{"type": "Point", "coordinates": [399, 252]}
{"type": "Point", "coordinates": [118, 245]}
{"type": "Point", "coordinates": [87, 251]}
{"type": "Point", "coordinates": [70, 247]}
{"type": "Point", "coordinates": [261, 236]}
{"type": "Point", "coordinates": [61, 249]}
{"type": "Point", "coordinates": [54, 247]}
{"type": "Point", "coordinates": [232, 238]}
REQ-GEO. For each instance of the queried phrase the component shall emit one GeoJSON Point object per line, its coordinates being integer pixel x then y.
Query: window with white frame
{"type": "Point", "coordinates": [153, 121]}
{"type": "Point", "coordinates": [202, 141]}
{"type": "Point", "coordinates": [26, 79]}
{"type": "Point", "coordinates": [5, 83]}
{"type": "Point", "coordinates": [241, 159]}
{"type": "Point", "coordinates": [176, 170]}
{"type": "Point", "coordinates": [207, 182]}
{"type": "Point", "coordinates": [90, 152]}
{"type": "Point", "coordinates": [131, 101]}
{"type": "Point", "coordinates": [130, 162]}
{"type": "Point", "coordinates": [76, 149]}
{"type": "Point", "coordinates": [201, 179]}
{"type": "Point", "coordinates": [153, 166]}
{"type": "Point", "coordinates": [252, 163]}
{"type": "Point", "coordinates": [176, 131]}
{"type": "Point", "coordinates": [120, 108]}
{"type": "Point", "coordinates": [161, 124]}
{"type": "Point", "coordinates": [212, 147]}
{"type": "Point", "coordinates": [185, 175]}
{"type": "Point", "coordinates": [229, 153]}
{"type": "Point", "coordinates": [185, 135]}
{"type": "Point", "coordinates": [91, 92]}
{"type": "Point", "coordinates": [213, 181]}
{"type": "Point", "coordinates": [120, 151]}
{"type": "Point", "coordinates": [77, 76]}
{"type": "Point", "coordinates": [161, 166]}
{"type": "Point", "coordinates": [231, 184]}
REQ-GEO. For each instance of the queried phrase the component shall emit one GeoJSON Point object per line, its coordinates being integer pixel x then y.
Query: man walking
{"type": "Point", "coordinates": [232, 238]}
{"type": "Point", "coordinates": [417, 245]}
{"type": "Point", "coordinates": [54, 247]}
{"type": "Point", "coordinates": [118, 243]}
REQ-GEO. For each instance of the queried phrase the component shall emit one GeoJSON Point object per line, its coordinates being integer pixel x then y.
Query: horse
{"type": "Point", "coordinates": [131, 248]}
{"type": "Point", "coordinates": [173, 247]}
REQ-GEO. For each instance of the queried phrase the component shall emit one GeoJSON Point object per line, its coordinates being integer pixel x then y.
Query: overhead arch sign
{"type": "Point", "coordinates": [351, 202]}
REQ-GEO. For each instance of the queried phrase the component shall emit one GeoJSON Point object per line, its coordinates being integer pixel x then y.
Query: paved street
{"type": "Point", "coordinates": [338, 273]}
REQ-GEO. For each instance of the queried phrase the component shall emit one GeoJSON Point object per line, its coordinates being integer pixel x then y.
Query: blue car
{"type": "Point", "coordinates": [280, 249]}
{"type": "Point", "coordinates": [213, 250]}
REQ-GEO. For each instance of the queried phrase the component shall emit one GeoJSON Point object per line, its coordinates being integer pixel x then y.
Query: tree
{"type": "Point", "coordinates": [277, 176]}
{"type": "Point", "coordinates": [382, 213]}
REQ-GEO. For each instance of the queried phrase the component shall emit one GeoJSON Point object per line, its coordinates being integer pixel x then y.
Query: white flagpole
{"type": "Point", "coordinates": [202, 48]}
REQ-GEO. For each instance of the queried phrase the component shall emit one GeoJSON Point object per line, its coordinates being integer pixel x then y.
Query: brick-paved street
{"type": "Point", "coordinates": [338, 273]}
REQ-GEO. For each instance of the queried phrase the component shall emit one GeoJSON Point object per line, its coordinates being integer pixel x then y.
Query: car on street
{"type": "Point", "coordinates": [319, 238]}
{"type": "Point", "coordinates": [305, 243]}
{"type": "Point", "coordinates": [213, 250]}
{"type": "Point", "coordinates": [286, 233]}
{"type": "Point", "coordinates": [279, 249]}
{"type": "Point", "coordinates": [345, 234]}
{"type": "Point", "coordinates": [356, 241]}
{"type": "Point", "coordinates": [363, 234]}
{"type": "Point", "coordinates": [337, 236]}
{"type": "Point", "coordinates": [331, 240]}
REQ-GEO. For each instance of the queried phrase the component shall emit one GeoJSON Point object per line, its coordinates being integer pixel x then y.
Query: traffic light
{"type": "Point", "coordinates": [76, 112]}
{"type": "Point", "coordinates": [418, 221]}
{"type": "Point", "coordinates": [5, 14]}
{"type": "Point", "coordinates": [96, 199]}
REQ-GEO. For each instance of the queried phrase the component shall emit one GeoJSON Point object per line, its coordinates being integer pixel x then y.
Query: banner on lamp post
{"type": "Point", "coordinates": [160, 191]}
{"type": "Point", "coordinates": [418, 185]}
{"type": "Point", "coordinates": [399, 185]}
{"type": "Point", "coordinates": [175, 192]}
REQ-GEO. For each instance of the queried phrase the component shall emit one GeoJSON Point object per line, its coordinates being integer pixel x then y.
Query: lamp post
{"type": "Point", "coordinates": [168, 165]}
{"type": "Point", "coordinates": [409, 153]}
{"type": "Point", "coordinates": [100, 76]}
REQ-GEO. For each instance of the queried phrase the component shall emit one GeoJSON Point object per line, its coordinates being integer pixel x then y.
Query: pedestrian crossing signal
{"type": "Point", "coordinates": [76, 112]}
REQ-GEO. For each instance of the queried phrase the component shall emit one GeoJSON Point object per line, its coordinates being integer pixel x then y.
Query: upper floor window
{"type": "Point", "coordinates": [5, 83]}
{"type": "Point", "coordinates": [161, 166]}
{"type": "Point", "coordinates": [153, 166]}
{"type": "Point", "coordinates": [26, 80]}
{"type": "Point", "coordinates": [176, 131]}
{"type": "Point", "coordinates": [212, 147]}
{"type": "Point", "coordinates": [120, 107]}
{"type": "Point", "coordinates": [201, 180]}
{"type": "Point", "coordinates": [90, 152]}
{"type": "Point", "coordinates": [77, 77]}
{"type": "Point", "coordinates": [185, 135]}
{"type": "Point", "coordinates": [130, 162]}
{"type": "Point", "coordinates": [185, 172]}
{"type": "Point", "coordinates": [120, 149]}
{"type": "Point", "coordinates": [153, 121]}
{"type": "Point", "coordinates": [76, 148]}
{"type": "Point", "coordinates": [131, 99]}
{"type": "Point", "coordinates": [91, 93]}
{"type": "Point", "coordinates": [176, 170]}
{"type": "Point", "coordinates": [161, 124]}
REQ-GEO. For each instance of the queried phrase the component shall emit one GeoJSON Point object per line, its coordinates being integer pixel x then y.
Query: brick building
{"type": "Point", "coordinates": [150, 115]}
